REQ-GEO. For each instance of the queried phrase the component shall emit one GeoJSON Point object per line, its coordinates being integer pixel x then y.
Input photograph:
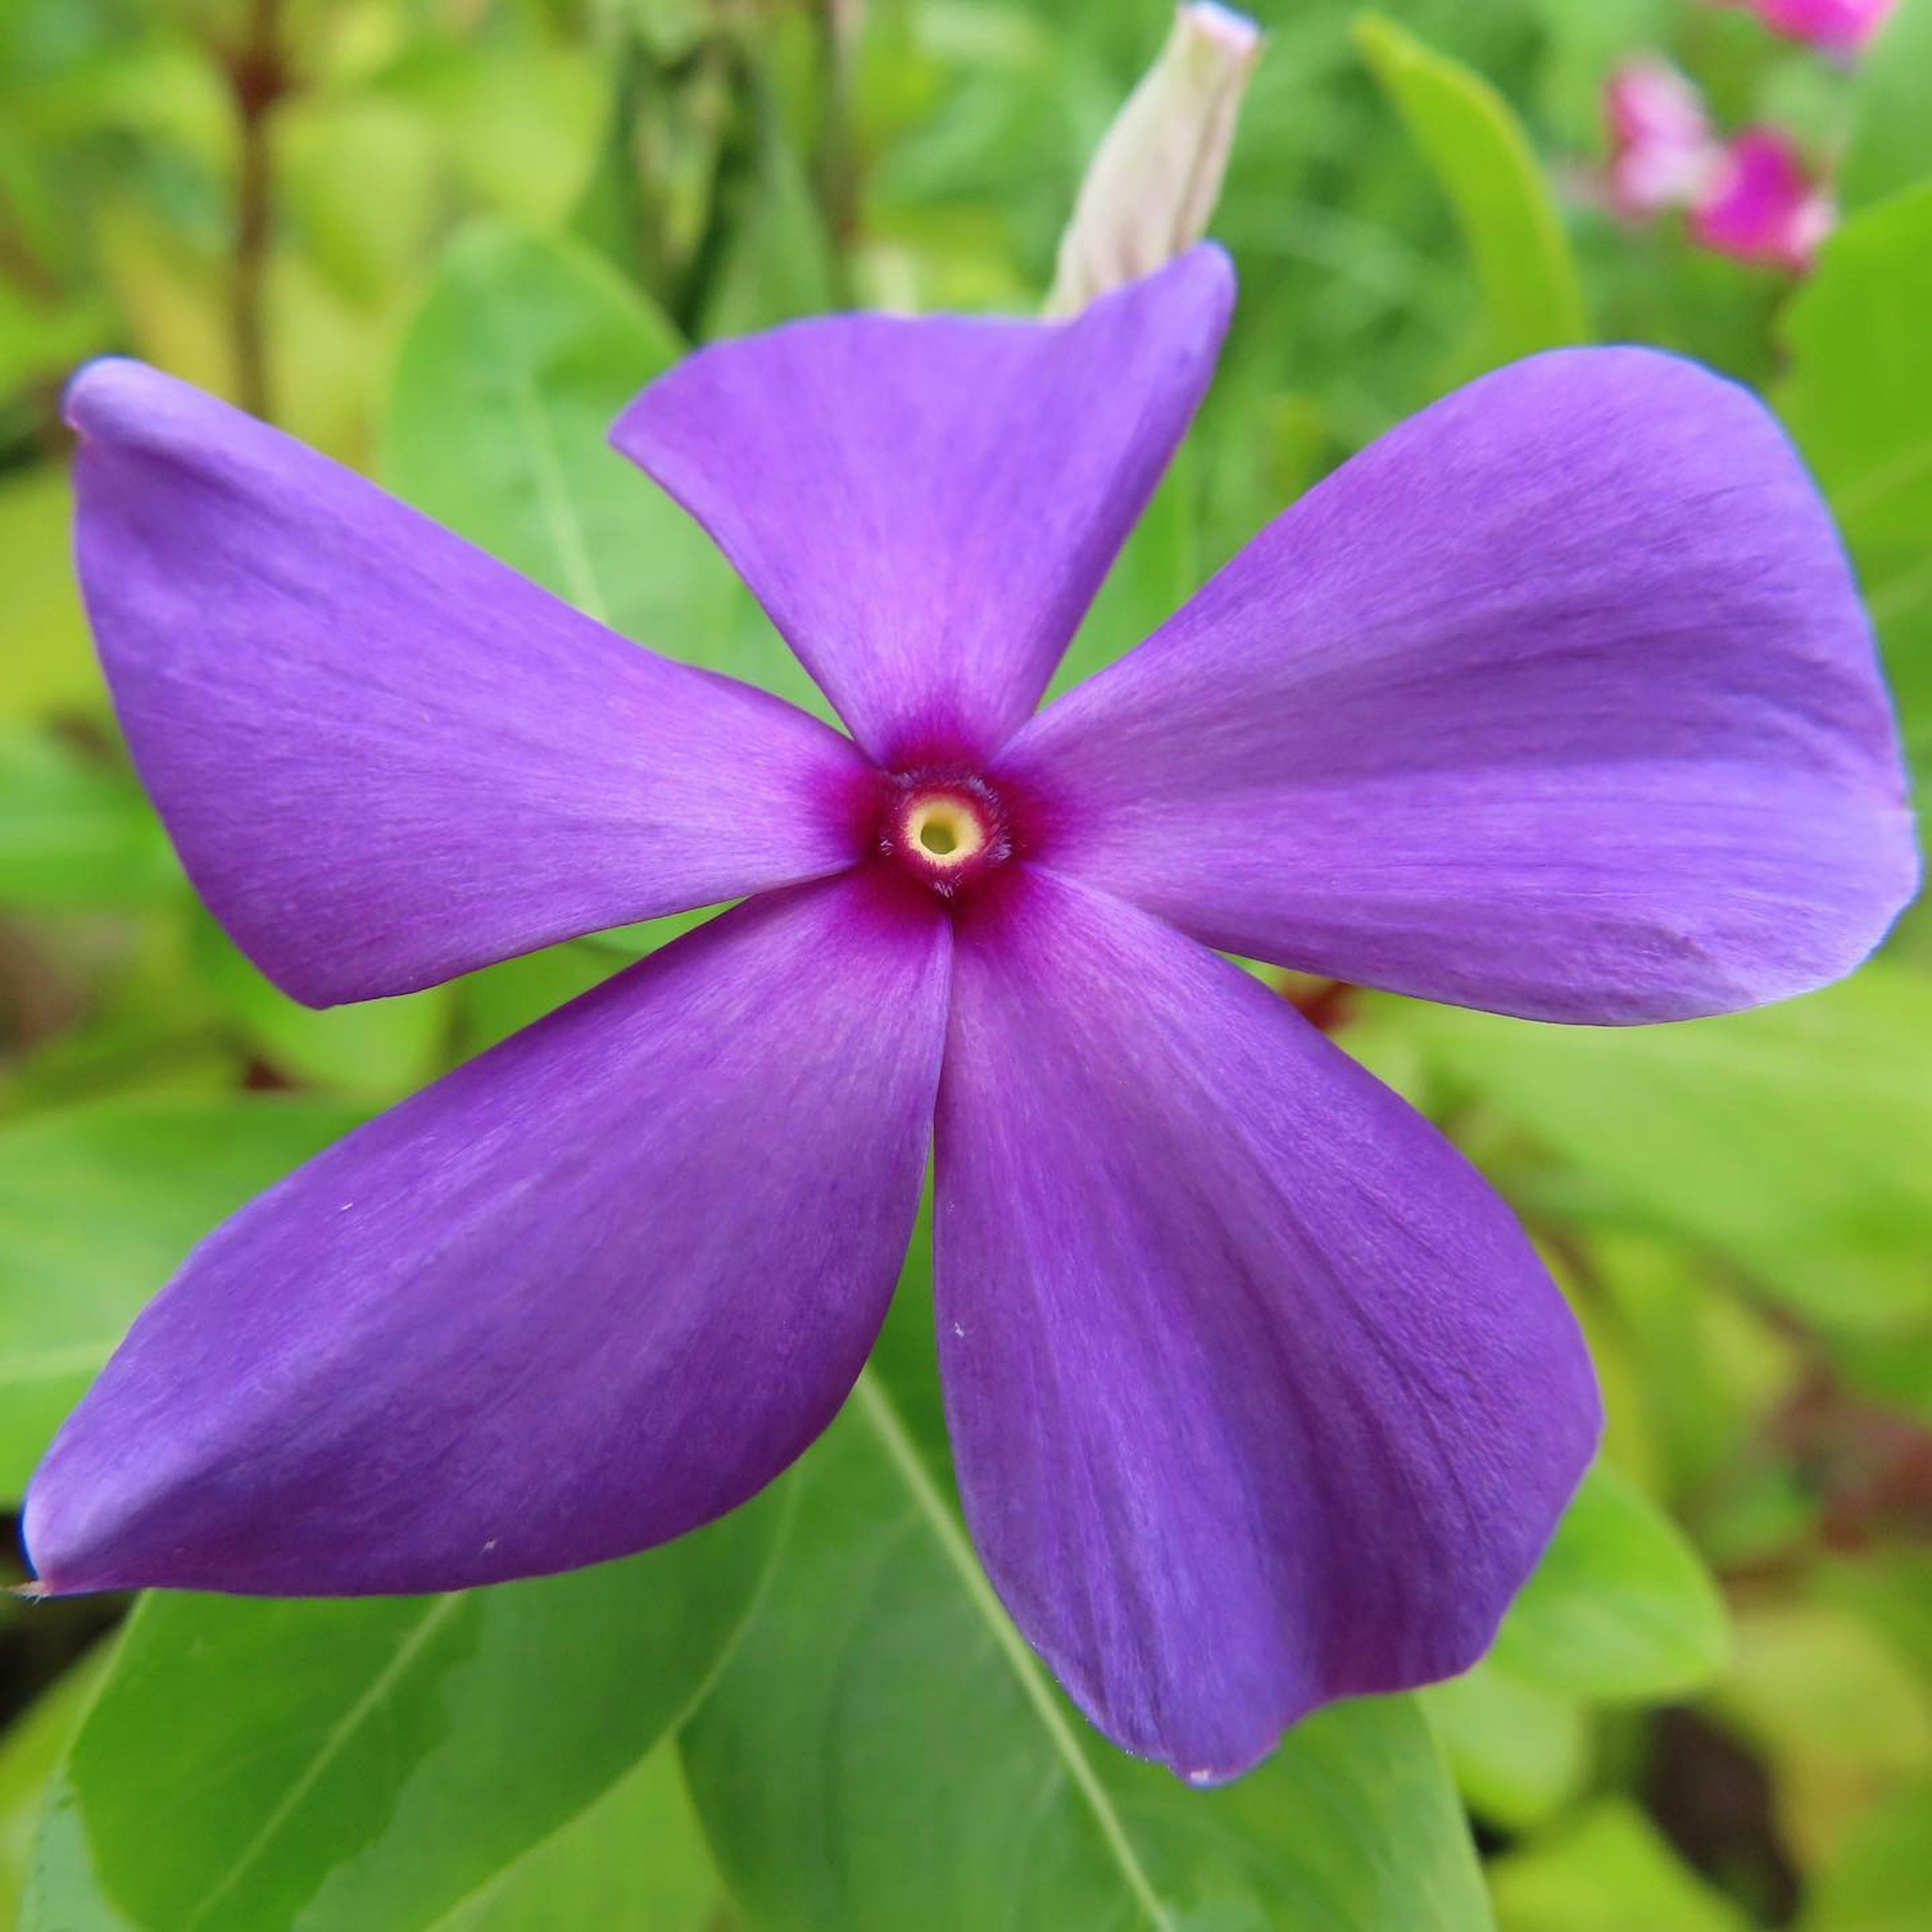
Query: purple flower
{"type": "Point", "coordinates": [1558, 701]}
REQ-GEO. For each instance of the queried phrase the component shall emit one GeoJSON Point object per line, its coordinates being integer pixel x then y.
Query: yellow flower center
{"type": "Point", "coordinates": [946, 831]}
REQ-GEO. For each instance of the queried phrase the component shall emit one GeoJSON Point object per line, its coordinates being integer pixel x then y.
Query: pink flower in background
{"type": "Point", "coordinates": [1662, 149]}
{"type": "Point", "coordinates": [1750, 198]}
{"type": "Point", "coordinates": [1843, 26]}
{"type": "Point", "coordinates": [1762, 206]}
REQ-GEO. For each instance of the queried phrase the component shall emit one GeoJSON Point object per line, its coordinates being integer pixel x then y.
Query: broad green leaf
{"type": "Point", "coordinates": [1859, 399]}
{"type": "Point", "coordinates": [1158, 569]}
{"type": "Point", "coordinates": [520, 116]}
{"type": "Point", "coordinates": [1838, 1714]}
{"type": "Point", "coordinates": [778, 261]}
{"type": "Point", "coordinates": [1708, 1366]}
{"type": "Point", "coordinates": [635, 1861]}
{"type": "Point", "coordinates": [1612, 1871]}
{"type": "Point", "coordinates": [75, 833]}
{"type": "Point", "coordinates": [1888, 1588]}
{"type": "Point", "coordinates": [883, 1751]}
{"type": "Point", "coordinates": [1531, 296]}
{"type": "Point", "coordinates": [330, 145]}
{"type": "Point", "coordinates": [34, 1746]}
{"type": "Point", "coordinates": [370, 1765]}
{"type": "Point", "coordinates": [1520, 1751]}
{"type": "Point", "coordinates": [522, 353]}
{"type": "Point", "coordinates": [48, 665]}
{"type": "Point", "coordinates": [500, 999]}
{"type": "Point", "coordinates": [496, 1002]}
{"type": "Point", "coordinates": [1620, 1607]}
{"type": "Point", "coordinates": [1880, 1877]}
{"type": "Point", "coordinates": [377, 1049]}
{"type": "Point", "coordinates": [1795, 1140]}
{"type": "Point", "coordinates": [1891, 144]}
{"type": "Point", "coordinates": [98, 1204]}
{"type": "Point", "coordinates": [42, 338]}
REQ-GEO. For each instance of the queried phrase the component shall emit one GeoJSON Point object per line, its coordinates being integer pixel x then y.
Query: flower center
{"type": "Point", "coordinates": [943, 830]}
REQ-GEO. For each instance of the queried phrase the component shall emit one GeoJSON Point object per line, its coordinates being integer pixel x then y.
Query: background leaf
{"type": "Point", "coordinates": [98, 1205]}
{"type": "Point", "coordinates": [1891, 144]}
{"type": "Point", "coordinates": [75, 831]}
{"type": "Point", "coordinates": [954, 1788]}
{"type": "Point", "coordinates": [1610, 1871]}
{"type": "Point", "coordinates": [1795, 1138]}
{"type": "Point", "coordinates": [524, 351]}
{"type": "Point", "coordinates": [391, 1756]}
{"type": "Point", "coordinates": [1859, 399]}
{"type": "Point", "coordinates": [1620, 1607]}
{"type": "Point", "coordinates": [1532, 298]}
{"type": "Point", "coordinates": [637, 1858]}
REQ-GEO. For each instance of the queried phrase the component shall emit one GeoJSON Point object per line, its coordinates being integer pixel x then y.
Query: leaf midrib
{"type": "Point", "coordinates": [435, 1615]}
{"type": "Point", "coordinates": [870, 1398]}
{"type": "Point", "coordinates": [579, 577]}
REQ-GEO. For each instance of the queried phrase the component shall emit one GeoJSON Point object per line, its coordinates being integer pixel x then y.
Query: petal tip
{"type": "Point", "coordinates": [100, 394]}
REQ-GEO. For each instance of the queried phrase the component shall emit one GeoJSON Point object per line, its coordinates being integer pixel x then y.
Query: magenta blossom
{"type": "Point", "coordinates": [1750, 199]}
{"type": "Point", "coordinates": [1844, 26]}
{"type": "Point", "coordinates": [1558, 701]}
{"type": "Point", "coordinates": [1662, 150]}
{"type": "Point", "coordinates": [1760, 205]}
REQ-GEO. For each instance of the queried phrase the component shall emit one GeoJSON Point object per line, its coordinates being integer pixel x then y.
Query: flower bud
{"type": "Point", "coordinates": [1152, 185]}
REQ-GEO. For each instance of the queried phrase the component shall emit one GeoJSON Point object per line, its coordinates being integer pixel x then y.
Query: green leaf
{"type": "Point", "coordinates": [952, 1787]}
{"type": "Point", "coordinates": [495, 1002]}
{"type": "Point", "coordinates": [75, 833]}
{"type": "Point", "coordinates": [1858, 400]}
{"type": "Point", "coordinates": [1707, 1365]}
{"type": "Point", "coordinates": [1891, 144]}
{"type": "Point", "coordinates": [1159, 568]}
{"type": "Point", "coordinates": [1612, 1870]}
{"type": "Point", "coordinates": [635, 1861]}
{"type": "Point", "coordinates": [778, 259]}
{"type": "Point", "coordinates": [1793, 1139]}
{"type": "Point", "coordinates": [377, 1049]}
{"type": "Point", "coordinates": [1621, 1607]}
{"type": "Point", "coordinates": [1520, 1751]}
{"type": "Point", "coordinates": [519, 115]}
{"type": "Point", "coordinates": [1835, 1708]}
{"type": "Point", "coordinates": [98, 1204]}
{"type": "Point", "coordinates": [1530, 295]}
{"type": "Point", "coordinates": [49, 663]}
{"type": "Point", "coordinates": [369, 1763]}
{"type": "Point", "coordinates": [1880, 1877]}
{"type": "Point", "coordinates": [34, 1745]}
{"type": "Point", "coordinates": [522, 353]}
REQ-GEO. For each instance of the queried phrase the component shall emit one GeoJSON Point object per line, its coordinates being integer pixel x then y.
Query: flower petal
{"type": "Point", "coordinates": [587, 1292]}
{"type": "Point", "coordinates": [926, 507]}
{"type": "Point", "coordinates": [1259, 1396]}
{"type": "Point", "coordinates": [1558, 700]}
{"type": "Point", "coordinates": [386, 759]}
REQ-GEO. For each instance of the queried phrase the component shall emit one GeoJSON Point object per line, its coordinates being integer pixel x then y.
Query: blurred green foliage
{"type": "Point", "coordinates": [446, 240]}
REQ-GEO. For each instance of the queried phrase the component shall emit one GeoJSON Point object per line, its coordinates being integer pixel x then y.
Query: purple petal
{"type": "Point", "coordinates": [926, 507]}
{"type": "Point", "coordinates": [1259, 1396]}
{"type": "Point", "coordinates": [1558, 700]}
{"type": "Point", "coordinates": [587, 1292]}
{"type": "Point", "coordinates": [385, 758]}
